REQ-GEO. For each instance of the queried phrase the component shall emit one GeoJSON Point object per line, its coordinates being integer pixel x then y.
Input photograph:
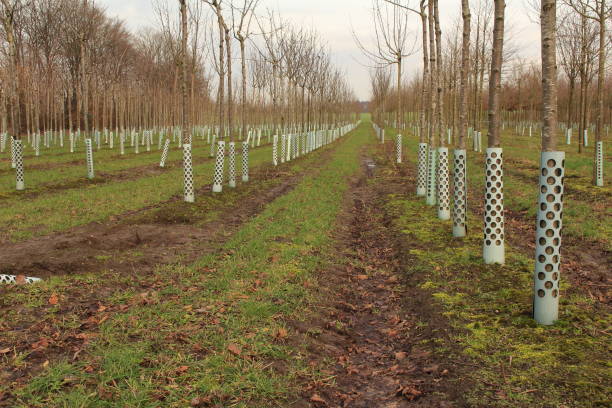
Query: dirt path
{"type": "Point", "coordinates": [368, 329]}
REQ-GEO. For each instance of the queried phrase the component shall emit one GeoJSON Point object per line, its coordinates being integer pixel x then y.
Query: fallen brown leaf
{"type": "Point", "coordinates": [281, 333]}
{"type": "Point", "coordinates": [400, 355]}
{"type": "Point", "coordinates": [234, 349]}
{"type": "Point", "coordinates": [409, 392]}
{"type": "Point", "coordinates": [316, 398]}
{"type": "Point", "coordinates": [201, 401]}
{"type": "Point", "coordinates": [53, 299]}
{"type": "Point", "coordinates": [40, 344]}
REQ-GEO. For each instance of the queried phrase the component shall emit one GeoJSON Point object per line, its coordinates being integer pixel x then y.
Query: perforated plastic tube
{"type": "Point", "coordinates": [89, 154]}
{"type": "Point", "coordinates": [443, 185]}
{"type": "Point", "coordinates": [232, 164]}
{"type": "Point", "coordinates": [219, 168]}
{"type": "Point", "coordinates": [431, 178]}
{"type": "Point", "coordinates": [19, 172]}
{"type": "Point", "coordinates": [548, 238]}
{"type": "Point", "coordinates": [12, 279]}
{"type": "Point", "coordinates": [460, 193]}
{"type": "Point", "coordinates": [493, 243]}
{"type": "Point", "coordinates": [188, 173]}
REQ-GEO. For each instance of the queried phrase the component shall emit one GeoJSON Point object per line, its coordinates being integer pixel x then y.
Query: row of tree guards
{"type": "Point", "coordinates": [71, 73]}
{"type": "Point", "coordinates": [99, 86]}
{"type": "Point", "coordinates": [391, 21]}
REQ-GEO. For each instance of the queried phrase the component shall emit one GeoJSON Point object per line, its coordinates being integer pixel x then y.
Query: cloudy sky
{"type": "Point", "coordinates": [336, 19]}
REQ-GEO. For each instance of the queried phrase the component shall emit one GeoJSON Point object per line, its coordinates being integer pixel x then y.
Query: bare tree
{"type": "Point", "coordinates": [493, 242]}
{"type": "Point", "coordinates": [392, 36]}
{"type": "Point", "coordinates": [242, 32]}
{"type": "Point", "coordinates": [380, 80]}
{"type": "Point", "coordinates": [8, 14]}
{"type": "Point", "coordinates": [598, 11]}
{"type": "Point", "coordinates": [425, 91]}
{"type": "Point", "coordinates": [548, 226]}
{"type": "Point", "coordinates": [569, 55]}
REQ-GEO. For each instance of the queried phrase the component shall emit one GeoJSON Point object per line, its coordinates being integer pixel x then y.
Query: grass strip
{"type": "Point", "coordinates": [511, 362]}
{"type": "Point", "coordinates": [212, 332]}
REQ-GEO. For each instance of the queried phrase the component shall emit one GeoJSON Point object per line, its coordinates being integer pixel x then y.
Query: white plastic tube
{"type": "Point", "coordinates": [431, 178]}
{"type": "Point", "coordinates": [188, 173]}
{"type": "Point", "coordinates": [232, 164]}
{"type": "Point", "coordinates": [460, 193]}
{"type": "Point", "coordinates": [219, 168]}
{"type": "Point", "coordinates": [493, 244]}
{"type": "Point", "coordinates": [19, 172]}
{"type": "Point", "coordinates": [275, 150]}
{"type": "Point", "coordinates": [548, 238]}
{"type": "Point", "coordinates": [89, 155]}
{"type": "Point", "coordinates": [12, 279]}
{"type": "Point", "coordinates": [245, 161]}
{"type": "Point", "coordinates": [443, 185]}
{"type": "Point", "coordinates": [164, 156]}
{"type": "Point", "coordinates": [599, 174]}
{"type": "Point", "coordinates": [422, 170]}
{"type": "Point", "coordinates": [283, 147]}
{"type": "Point", "coordinates": [398, 148]}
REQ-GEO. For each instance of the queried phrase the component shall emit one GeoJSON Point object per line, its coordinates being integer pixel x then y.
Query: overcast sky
{"type": "Point", "coordinates": [335, 20]}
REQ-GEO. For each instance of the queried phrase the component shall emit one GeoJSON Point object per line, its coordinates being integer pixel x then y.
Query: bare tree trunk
{"type": "Point", "coordinates": [221, 90]}
{"type": "Point", "coordinates": [475, 78]}
{"type": "Point", "coordinates": [230, 96]}
{"type": "Point", "coordinates": [570, 101]}
{"type": "Point", "coordinates": [439, 87]}
{"type": "Point", "coordinates": [465, 67]}
{"type": "Point", "coordinates": [8, 21]}
{"type": "Point", "coordinates": [601, 76]}
{"type": "Point", "coordinates": [433, 77]}
{"type": "Point", "coordinates": [549, 75]}
{"type": "Point", "coordinates": [244, 87]}
{"type": "Point", "coordinates": [399, 117]}
{"type": "Point", "coordinates": [495, 75]}
{"type": "Point", "coordinates": [184, 112]}
{"type": "Point", "coordinates": [425, 90]}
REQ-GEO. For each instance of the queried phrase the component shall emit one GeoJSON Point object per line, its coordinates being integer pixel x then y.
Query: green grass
{"type": "Point", "coordinates": [511, 362]}
{"type": "Point", "coordinates": [45, 173]}
{"type": "Point", "coordinates": [52, 212]}
{"type": "Point", "coordinates": [587, 213]}
{"type": "Point", "coordinates": [211, 329]}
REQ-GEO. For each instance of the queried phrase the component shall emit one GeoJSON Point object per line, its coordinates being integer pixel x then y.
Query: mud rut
{"type": "Point", "coordinates": [369, 330]}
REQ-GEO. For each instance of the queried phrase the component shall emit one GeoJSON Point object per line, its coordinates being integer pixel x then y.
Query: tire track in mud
{"type": "Point", "coordinates": [368, 329]}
